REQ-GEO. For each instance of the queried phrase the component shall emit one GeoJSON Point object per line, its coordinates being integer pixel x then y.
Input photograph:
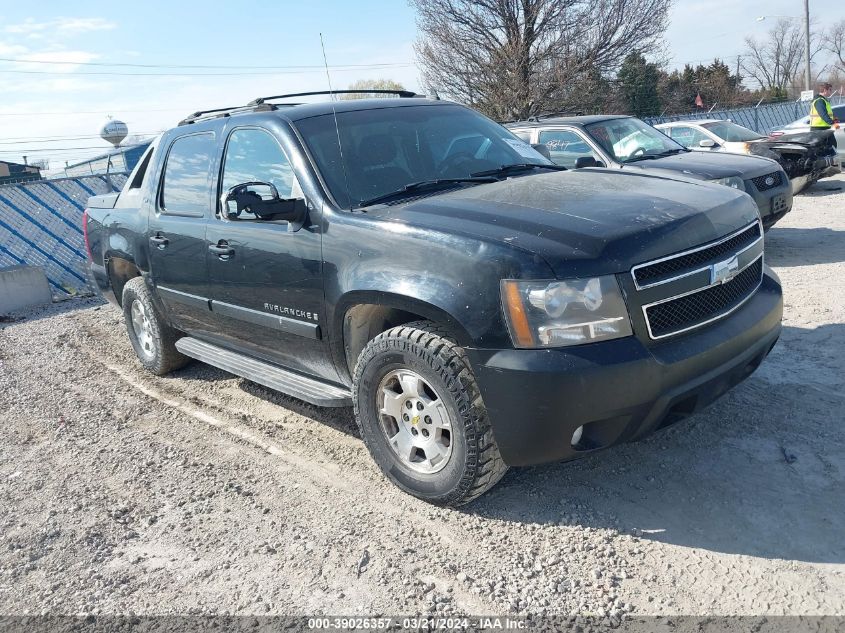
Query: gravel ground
{"type": "Point", "coordinates": [204, 493]}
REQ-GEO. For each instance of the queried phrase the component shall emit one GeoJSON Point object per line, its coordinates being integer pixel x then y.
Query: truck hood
{"type": "Point", "coordinates": [706, 166]}
{"type": "Point", "coordinates": [586, 222]}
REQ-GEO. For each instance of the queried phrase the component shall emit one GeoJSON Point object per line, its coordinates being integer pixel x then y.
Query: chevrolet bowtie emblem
{"type": "Point", "coordinates": [723, 272]}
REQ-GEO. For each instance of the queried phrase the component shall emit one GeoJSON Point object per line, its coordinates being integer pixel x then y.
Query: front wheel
{"type": "Point", "coordinates": [422, 418]}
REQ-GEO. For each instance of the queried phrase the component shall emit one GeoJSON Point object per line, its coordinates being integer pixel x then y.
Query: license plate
{"type": "Point", "coordinates": [779, 203]}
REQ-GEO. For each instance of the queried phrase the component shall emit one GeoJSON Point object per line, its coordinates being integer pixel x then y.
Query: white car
{"type": "Point", "coordinates": [711, 135]}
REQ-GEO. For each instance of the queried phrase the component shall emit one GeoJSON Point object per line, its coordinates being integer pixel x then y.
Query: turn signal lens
{"type": "Point", "coordinates": [518, 320]}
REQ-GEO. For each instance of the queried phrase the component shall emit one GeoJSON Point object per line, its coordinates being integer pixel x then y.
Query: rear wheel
{"type": "Point", "coordinates": [422, 417]}
{"type": "Point", "coordinates": [153, 340]}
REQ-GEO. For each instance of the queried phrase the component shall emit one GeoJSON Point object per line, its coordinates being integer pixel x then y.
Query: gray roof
{"type": "Point", "coordinates": [567, 120]}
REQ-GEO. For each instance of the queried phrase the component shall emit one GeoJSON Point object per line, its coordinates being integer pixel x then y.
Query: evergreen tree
{"type": "Point", "coordinates": [638, 81]}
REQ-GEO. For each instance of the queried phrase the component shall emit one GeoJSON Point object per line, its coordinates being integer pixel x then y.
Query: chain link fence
{"type": "Point", "coordinates": [762, 119]}
{"type": "Point", "coordinates": [41, 225]}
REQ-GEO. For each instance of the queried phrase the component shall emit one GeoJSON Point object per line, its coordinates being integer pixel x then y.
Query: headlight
{"type": "Point", "coordinates": [562, 313]}
{"type": "Point", "coordinates": [734, 182]}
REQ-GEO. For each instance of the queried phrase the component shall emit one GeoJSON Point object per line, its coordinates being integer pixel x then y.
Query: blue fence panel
{"type": "Point", "coordinates": [41, 225]}
{"type": "Point", "coordinates": [762, 119]}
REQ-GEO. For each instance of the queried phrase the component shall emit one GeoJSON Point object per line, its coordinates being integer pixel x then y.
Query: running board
{"type": "Point", "coordinates": [308, 389]}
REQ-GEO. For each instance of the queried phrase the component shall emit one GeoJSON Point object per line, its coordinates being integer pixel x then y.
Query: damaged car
{"type": "Point", "coordinates": [805, 157]}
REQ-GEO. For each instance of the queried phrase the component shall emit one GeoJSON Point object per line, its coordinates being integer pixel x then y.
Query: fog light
{"type": "Point", "coordinates": [576, 437]}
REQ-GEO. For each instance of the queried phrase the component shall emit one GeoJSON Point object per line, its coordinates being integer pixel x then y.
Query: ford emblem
{"type": "Point", "coordinates": [769, 181]}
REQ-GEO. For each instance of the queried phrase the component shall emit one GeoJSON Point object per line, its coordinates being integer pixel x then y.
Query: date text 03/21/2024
{"type": "Point", "coordinates": [418, 623]}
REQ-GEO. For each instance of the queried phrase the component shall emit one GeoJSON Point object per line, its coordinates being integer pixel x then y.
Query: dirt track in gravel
{"type": "Point", "coordinates": [204, 493]}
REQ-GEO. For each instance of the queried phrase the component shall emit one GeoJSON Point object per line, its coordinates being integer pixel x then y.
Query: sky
{"type": "Point", "coordinates": [253, 49]}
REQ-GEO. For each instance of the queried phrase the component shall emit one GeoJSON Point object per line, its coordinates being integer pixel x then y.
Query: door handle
{"type": "Point", "coordinates": [222, 249]}
{"type": "Point", "coordinates": [159, 241]}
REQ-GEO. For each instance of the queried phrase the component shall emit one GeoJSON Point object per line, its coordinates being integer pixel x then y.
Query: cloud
{"type": "Point", "coordinates": [11, 50]}
{"type": "Point", "coordinates": [68, 26]}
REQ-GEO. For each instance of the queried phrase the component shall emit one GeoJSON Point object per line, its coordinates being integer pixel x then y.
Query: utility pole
{"type": "Point", "coordinates": [807, 73]}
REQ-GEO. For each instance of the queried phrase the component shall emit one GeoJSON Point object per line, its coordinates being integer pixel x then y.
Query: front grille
{"type": "Point", "coordinates": [762, 185]}
{"type": "Point", "coordinates": [655, 273]}
{"type": "Point", "coordinates": [687, 312]}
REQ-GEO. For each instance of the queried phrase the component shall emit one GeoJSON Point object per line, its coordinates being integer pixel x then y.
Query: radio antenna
{"type": "Point", "coordinates": [336, 125]}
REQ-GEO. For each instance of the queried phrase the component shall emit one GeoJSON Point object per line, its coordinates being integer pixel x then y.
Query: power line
{"type": "Point", "coordinates": [706, 59]}
{"type": "Point", "coordinates": [54, 149]}
{"type": "Point", "coordinates": [60, 139]}
{"type": "Point", "coordinates": [208, 67]}
{"type": "Point", "coordinates": [112, 111]}
{"type": "Point", "coordinates": [227, 74]}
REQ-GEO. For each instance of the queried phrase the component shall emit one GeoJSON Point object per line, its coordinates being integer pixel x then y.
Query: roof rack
{"type": "Point", "coordinates": [203, 115]}
{"type": "Point", "coordinates": [403, 94]}
{"type": "Point", "coordinates": [558, 113]}
{"type": "Point", "coordinates": [545, 115]}
{"type": "Point", "coordinates": [260, 104]}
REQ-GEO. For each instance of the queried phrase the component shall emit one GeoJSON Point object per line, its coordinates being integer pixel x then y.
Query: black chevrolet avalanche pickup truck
{"type": "Point", "coordinates": [480, 306]}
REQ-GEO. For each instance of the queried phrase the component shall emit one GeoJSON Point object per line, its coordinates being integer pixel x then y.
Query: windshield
{"type": "Point", "coordinates": [630, 139]}
{"type": "Point", "coordinates": [731, 132]}
{"type": "Point", "coordinates": [386, 149]}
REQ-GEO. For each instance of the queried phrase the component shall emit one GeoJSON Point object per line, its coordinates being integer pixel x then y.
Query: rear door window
{"type": "Point", "coordinates": [565, 147]}
{"type": "Point", "coordinates": [185, 189]}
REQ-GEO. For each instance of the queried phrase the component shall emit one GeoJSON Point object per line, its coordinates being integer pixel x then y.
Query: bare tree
{"type": "Point", "coordinates": [517, 58]}
{"type": "Point", "coordinates": [833, 41]}
{"type": "Point", "coordinates": [372, 84]}
{"type": "Point", "coordinates": [776, 61]}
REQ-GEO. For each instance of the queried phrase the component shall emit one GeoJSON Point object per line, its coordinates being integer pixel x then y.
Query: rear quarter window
{"type": "Point", "coordinates": [136, 179]}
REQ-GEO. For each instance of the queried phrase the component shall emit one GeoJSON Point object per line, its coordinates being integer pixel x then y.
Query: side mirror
{"type": "Point", "coordinates": [708, 143]}
{"type": "Point", "coordinates": [543, 149]}
{"type": "Point", "coordinates": [262, 200]}
{"type": "Point", "coordinates": [587, 161]}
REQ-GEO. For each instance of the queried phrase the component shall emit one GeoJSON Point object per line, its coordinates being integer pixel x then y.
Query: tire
{"type": "Point", "coordinates": [153, 340]}
{"type": "Point", "coordinates": [458, 459]}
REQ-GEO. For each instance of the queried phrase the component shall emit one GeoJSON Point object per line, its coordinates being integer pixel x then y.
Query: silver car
{"type": "Point", "coordinates": [624, 142]}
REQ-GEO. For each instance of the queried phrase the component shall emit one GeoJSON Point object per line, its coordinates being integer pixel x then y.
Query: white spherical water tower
{"type": "Point", "coordinates": [114, 131]}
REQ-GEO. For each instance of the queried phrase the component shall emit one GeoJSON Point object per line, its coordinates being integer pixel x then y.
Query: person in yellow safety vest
{"type": "Point", "coordinates": [821, 113]}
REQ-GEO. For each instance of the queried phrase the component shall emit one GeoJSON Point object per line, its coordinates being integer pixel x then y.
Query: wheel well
{"type": "Point", "coordinates": [121, 271]}
{"type": "Point", "coordinates": [363, 322]}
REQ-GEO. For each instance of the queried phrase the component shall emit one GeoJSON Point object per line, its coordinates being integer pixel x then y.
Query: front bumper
{"type": "Point", "coordinates": [620, 390]}
{"type": "Point", "coordinates": [773, 203]}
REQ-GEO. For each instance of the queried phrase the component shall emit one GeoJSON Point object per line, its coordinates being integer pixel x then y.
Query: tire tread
{"type": "Point", "coordinates": [434, 344]}
{"type": "Point", "coordinates": [168, 357]}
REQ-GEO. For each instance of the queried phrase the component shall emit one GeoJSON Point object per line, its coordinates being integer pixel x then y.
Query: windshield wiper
{"type": "Point", "coordinates": [507, 169]}
{"type": "Point", "coordinates": [669, 152]}
{"type": "Point", "coordinates": [634, 159]}
{"type": "Point", "coordinates": [423, 184]}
